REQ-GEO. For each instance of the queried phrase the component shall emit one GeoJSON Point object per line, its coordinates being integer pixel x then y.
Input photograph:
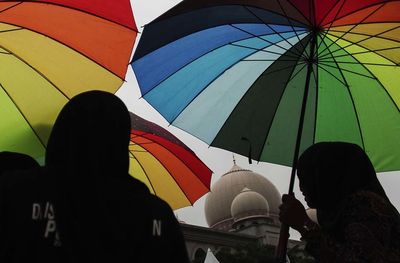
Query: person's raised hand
{"type": "Point", "coordinates": [292, 212]}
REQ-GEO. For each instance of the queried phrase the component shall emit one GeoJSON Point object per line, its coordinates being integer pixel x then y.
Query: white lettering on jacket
{"type": "Point", "coordinates": [156, 227]}
{"type": "Point", "coordinates": [45, 212]}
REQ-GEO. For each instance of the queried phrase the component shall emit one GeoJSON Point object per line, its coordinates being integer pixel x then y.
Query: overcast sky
{"type": "Point", "coordinates": [219, 161]}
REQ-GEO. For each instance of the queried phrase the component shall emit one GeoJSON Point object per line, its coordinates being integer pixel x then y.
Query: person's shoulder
{"type": "Point", "coordinates": [23, 177]}
{"type": "Point", "coordinates": [367, 204]}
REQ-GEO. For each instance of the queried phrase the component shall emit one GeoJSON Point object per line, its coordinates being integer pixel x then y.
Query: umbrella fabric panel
{"type": "Point", "coordinates": [337, 118]}
{"type": "Point", "coordinates": [138, 124]}
{"type": "Point", "coordinates": [104, 42]}
{"type": "Point", "coordinates": [282, 7]}
{"type": "Point", "coordinates": [179, 171]}
{"type": "Point", "coordinates": [21, 139]}
{"type": "Point", "coordinates": [68, 71]}
{"type": "Point", "coordinates": [117, 11]}
{"type": "Point", "coordinates": [377, 66]}
{"type": "Point", "coordinates": [174, 94]}
{"type": "Point", "coordinates": [163, 147]}
{"type": "Point", "coordinates": [281, 135]}
{"type": "Point", "coordinates": [373, 105]}
{"type": "Point", "coordinates": [381, 11]}
{"type": "Point", "coordinates": [151, 70]}
{"type": "Point", "coordinates": [21, 113]}
{"type": "Point", "coordinates": [250, 121]}
{"type": "Point", "coordinates": [162, 183]}
{"type": "Point", "coordinates": [386, 48]}
{"type": "Point", "coordinates": [196, 22]}
{"type": "Point", "coordinates": [226, 91]}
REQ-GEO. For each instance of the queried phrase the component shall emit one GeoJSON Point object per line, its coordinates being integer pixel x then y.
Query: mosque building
{"type": "Point", "coordinates": [242, 209]}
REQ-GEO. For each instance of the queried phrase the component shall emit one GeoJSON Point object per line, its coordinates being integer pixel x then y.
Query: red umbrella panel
{"type": "Point", "coordinates": [166, 165]}
{"type": "Point", "coordinates": [52, 50]}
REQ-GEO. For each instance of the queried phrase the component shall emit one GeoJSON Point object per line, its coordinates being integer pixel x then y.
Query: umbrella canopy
{"type": "Point", "coordinates": [52, 50]}
{"type": "Point", "coordinates": [241, 75]}
{"type": "Point", "coordinates": [166, 165]}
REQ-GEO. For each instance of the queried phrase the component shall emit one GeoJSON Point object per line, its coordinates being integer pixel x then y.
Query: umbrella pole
{"type": "Point", "coordinates": [281, 249]}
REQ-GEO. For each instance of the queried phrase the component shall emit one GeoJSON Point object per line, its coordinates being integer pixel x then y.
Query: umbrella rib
{"type": "Point", "coordinates": [365, 7]}
{"type": "Point", "coordinates": [369, 64]}
{"type": "Point", "coordinates": [75, 50]}
{"type": "Point", "coordinates": [267, 41]}
{"type": "Point", "coordinates": [276, 32]}
{"type": "Point", "coordinates": [336, 15]}
{"type": "Point", "coordinates": [5, 9]}
{"type": "Point", "coordinates": [37, 71]}
{"type": "Point", "coordinates": [144, 171]}
{"type": "Point", "coordinates": [76, 9]}
{"type": "Point", "coordinates": [186, 149]}
{"type": "Point", "coordinates": [331, 23]}
{"type": "Point", "coordinates": [352, 99]}
{"type": "Point", "coordinates": [325, 57]}
{"type": "Point", "coordinates": [354, 26]}
{"type": "Point", "coordinates": [170, 172]}
{"type": "Point", "coordinates": [261, 50]}
{"type": "Point", "coordinates": [278, 70]}
{"type": "Point", "coordinates": [172, 120]}
{"type": "Point", "coordinates": [380, 83]}
{"type": "Point", "coordinates": [280, 99]}
{"type": "Point", "coordinates": [346, 70]}
{"type": "Point", "coordinates": [23, 116]}
{"type": "Point", "coordinates": [291, 24]}
{"type": "Point", "coordinates": [316, 78]}
{"type": "Point", "coordinates": [298, 10]}
{"type": "Point", "coordinates": [369, 37]}
{"type": "Point", "coordinates": [11, 30]}
{"type": "Point", "coordinates": [297, 73]}
{"type": "Point", "coordinates": [327, 71]}
{"type": "Point", "coordinates": [255, 60]}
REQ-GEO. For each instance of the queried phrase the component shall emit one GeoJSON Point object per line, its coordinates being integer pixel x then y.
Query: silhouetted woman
{"type": "Point", "coordinates": [356, 221]}
{"type": "Point", "coordinates": [84, 206]}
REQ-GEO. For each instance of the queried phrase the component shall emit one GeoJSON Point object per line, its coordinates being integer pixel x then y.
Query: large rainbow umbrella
{"type": "Point", "coordinates": [169, 168]}
{"type": "Point", "coordinates": [267, 79]}
{"type": "Point", "coordinates": [52, 50]}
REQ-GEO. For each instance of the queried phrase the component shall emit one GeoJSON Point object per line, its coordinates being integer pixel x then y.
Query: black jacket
{"type": "Point", "coordinates": [139, 227]}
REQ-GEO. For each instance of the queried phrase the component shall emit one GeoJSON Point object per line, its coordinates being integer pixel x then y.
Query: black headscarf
{"type": "Point", "coordinates": [329, 172]}
{"type": "Point", "coordinates": [91, 136]}
{"type": "Point", "coordinates": [88, 146]}
{"type": "Point", "coordinates": [16, 161]}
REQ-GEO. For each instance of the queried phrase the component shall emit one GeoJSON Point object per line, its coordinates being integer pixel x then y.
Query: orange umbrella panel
{"type": "Point", "coordinates": [169, 168]}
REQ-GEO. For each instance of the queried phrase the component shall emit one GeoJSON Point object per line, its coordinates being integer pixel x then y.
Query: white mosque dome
{"type": "Point", "coordinates": [249, 204]}
{"type": "Point", "coordinates": [223, 192]}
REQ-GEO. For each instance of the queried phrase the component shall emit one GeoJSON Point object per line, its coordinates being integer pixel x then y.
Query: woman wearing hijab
{"type": "Point", "coordinates": [355, 221]}
{"type": "Point", "coordinates": [100, 213]}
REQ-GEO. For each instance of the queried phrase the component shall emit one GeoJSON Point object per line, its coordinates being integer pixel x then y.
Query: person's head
{"type": "Point", "coordinates": [91, 135]}
{"type": "Point", "coordinates": [16, 161]}
{"type": "Point", "coordinates": [330, 171]}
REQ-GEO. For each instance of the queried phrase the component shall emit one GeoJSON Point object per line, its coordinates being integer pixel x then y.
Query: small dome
{"type": "Point", "coordinates": [249, 204]}
{"type": "Point", "coordinates": [219, 200]}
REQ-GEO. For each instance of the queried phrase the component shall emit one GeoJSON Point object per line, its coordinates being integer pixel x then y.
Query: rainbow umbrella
{"type": "Point", "coordinates": [52, 50]}
{"type": "Point", "coordinates": [166, 165]}
{"type": "Point", "coordinates": [267, 79]}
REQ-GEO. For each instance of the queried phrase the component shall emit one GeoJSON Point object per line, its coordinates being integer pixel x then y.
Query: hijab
{"type": "Point", "coordinates": [329, 172]}
{"type": "Point", "coordinates": [87, 148]}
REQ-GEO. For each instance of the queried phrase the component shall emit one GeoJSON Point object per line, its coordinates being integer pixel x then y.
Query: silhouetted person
{"type": "Point", "coordinates": [16, 161]}
{"type": "Point", "coordinates": [356, 221]}
{"type": "Point", "coordinates": [100, 213]}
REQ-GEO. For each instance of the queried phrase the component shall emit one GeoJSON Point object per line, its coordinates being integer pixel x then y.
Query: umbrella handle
{"type": "Point", "coordinates": [280, 252]}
